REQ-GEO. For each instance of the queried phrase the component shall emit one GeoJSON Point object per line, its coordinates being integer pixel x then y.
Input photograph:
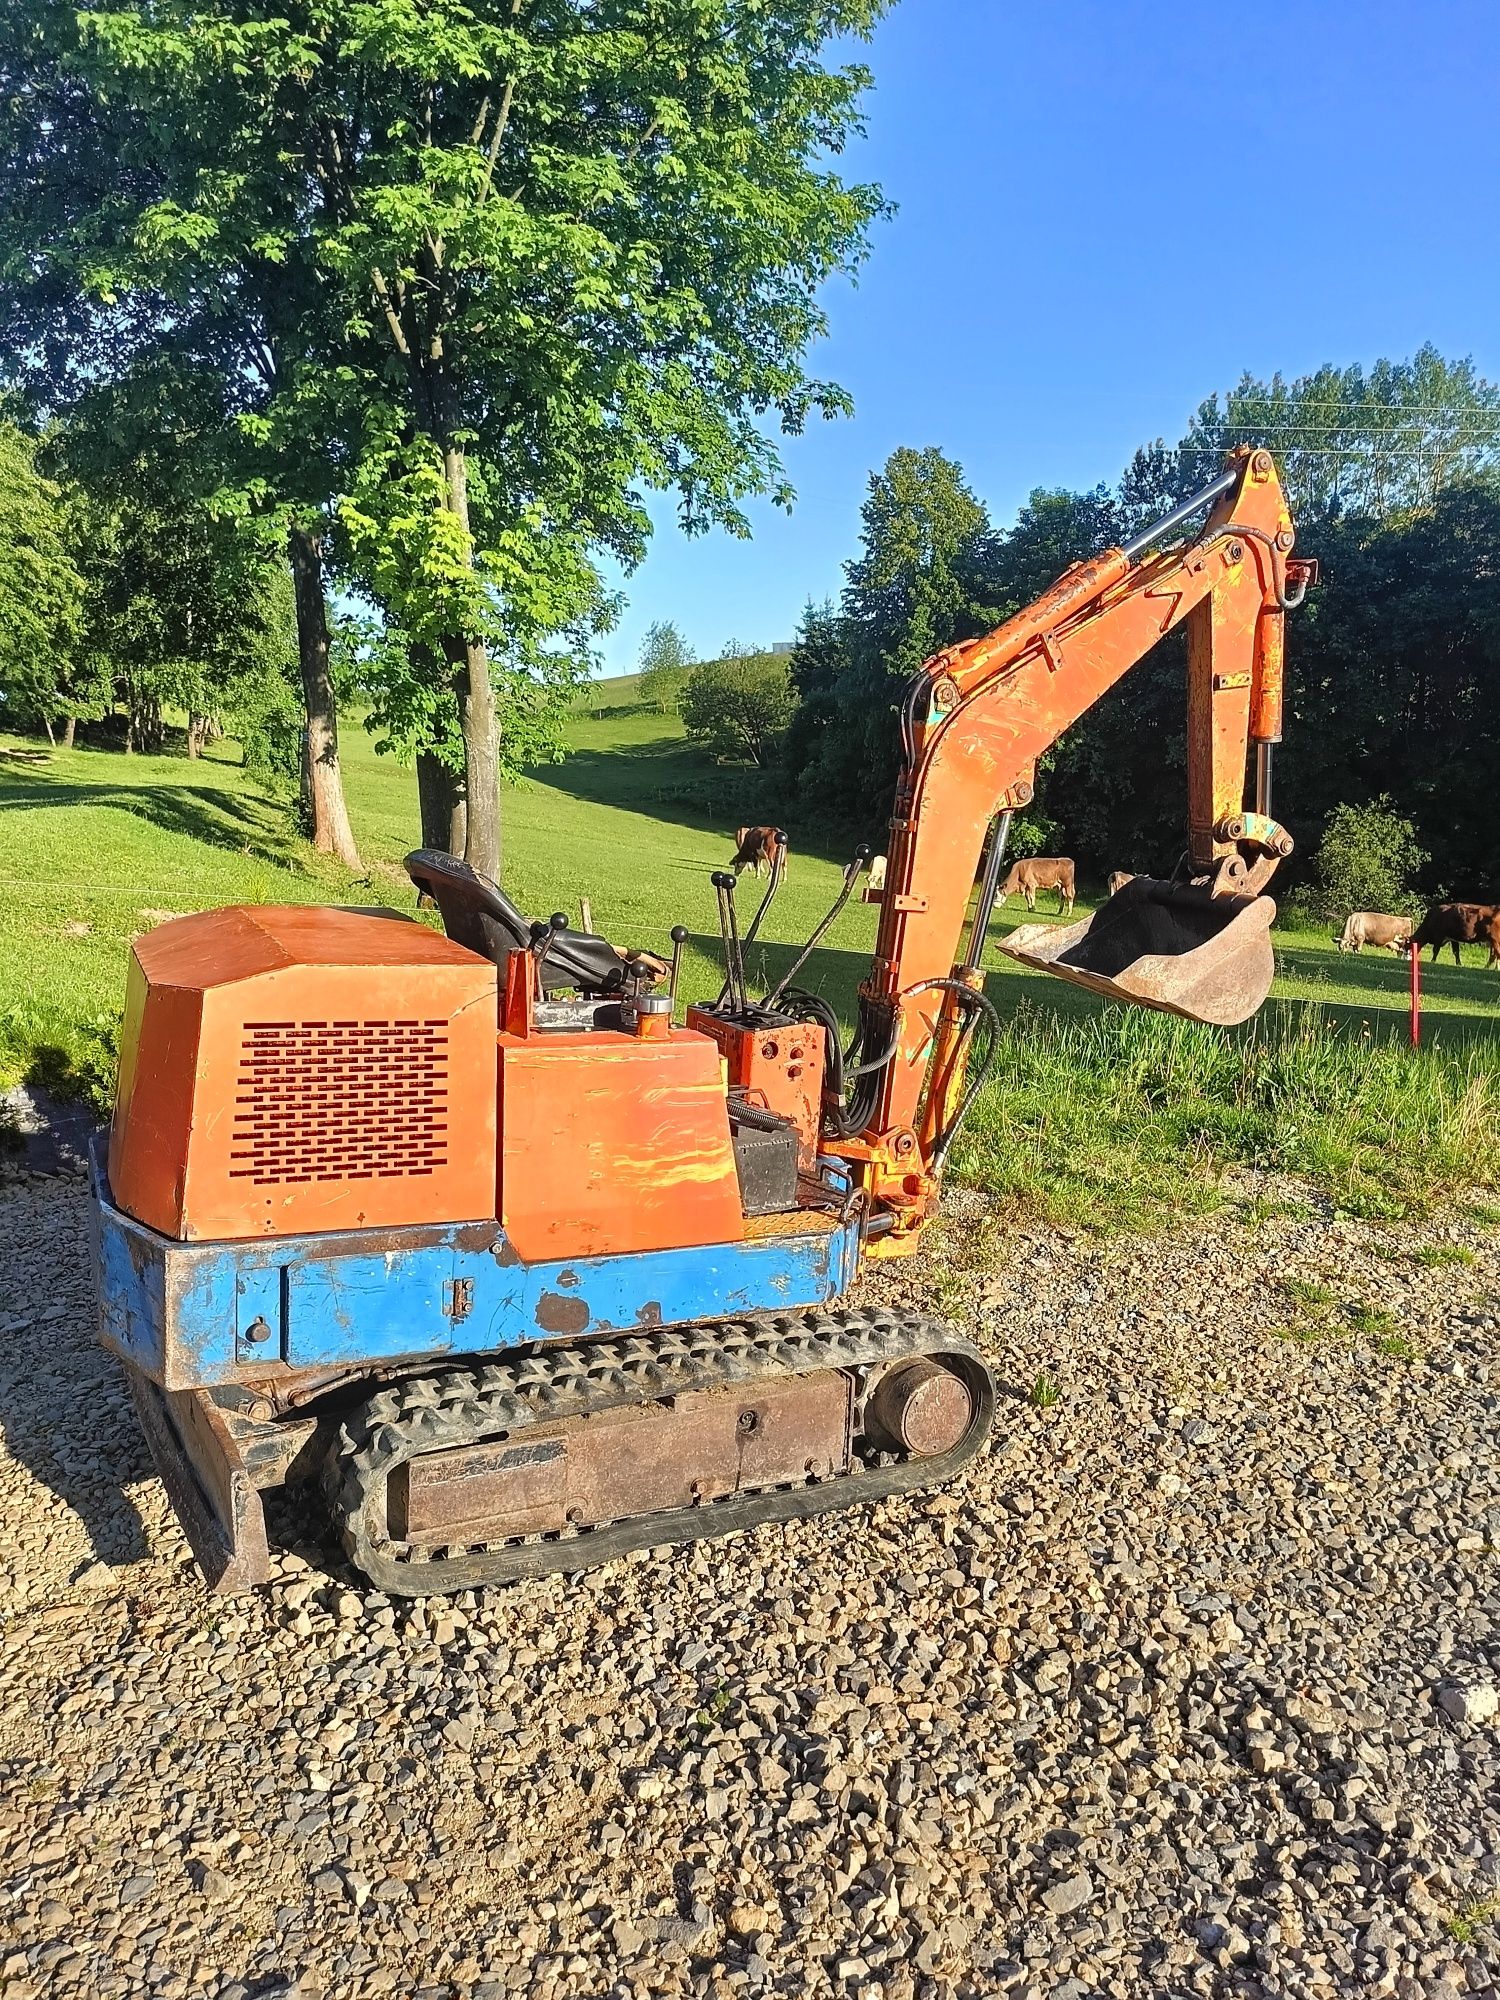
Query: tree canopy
{"type": "Point", "coordinates": [919, 581]}
{"type": "Point", "coordinates": [1393, 663]}
{"type": "Point", "coordinates": [44, 672]}
{"type": "Point", "coordinates": [737, 707]}
{"type": "Point", "coordinates": [663, 667]}
{"type": "Point", "coordinates": [483, 276]}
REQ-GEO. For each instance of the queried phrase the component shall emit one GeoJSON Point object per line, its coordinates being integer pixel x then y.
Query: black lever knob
{"type": "Point", "coordinates": [722, 880]}
{"type": "Point", "coordinates": [679, 934]}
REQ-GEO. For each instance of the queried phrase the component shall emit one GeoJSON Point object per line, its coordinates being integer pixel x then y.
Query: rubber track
{"type": "Point", "coordinates": [462, 1406]}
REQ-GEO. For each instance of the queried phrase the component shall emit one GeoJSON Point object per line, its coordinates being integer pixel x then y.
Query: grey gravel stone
{"type": "Point", "coordinates": [1062, 1898]}
{"type": "Point", "coordinates": [1180, 1647]}
{"type": "Point", "coordinates": [1475, 1702]}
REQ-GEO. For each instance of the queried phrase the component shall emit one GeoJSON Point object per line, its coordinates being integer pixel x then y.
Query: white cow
{"type": "Point", "coordinates": [1369, 927]}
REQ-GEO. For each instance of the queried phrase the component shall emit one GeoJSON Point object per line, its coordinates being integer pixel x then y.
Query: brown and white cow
{"type": "Point", "coordinates": [755, 847]}
{"type": "Point", "coordinates": [1118, 879]}
{"type": "Point", "coordinates": [1026, 878]}
{"type": "Point", "coordinates": [1453, 924]}
{"type": "Point", "coordinates": [1362, 927]}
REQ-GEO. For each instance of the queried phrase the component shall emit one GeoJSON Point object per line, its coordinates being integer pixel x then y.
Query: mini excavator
{"type": "Point", "coordinates": [527, 1271]}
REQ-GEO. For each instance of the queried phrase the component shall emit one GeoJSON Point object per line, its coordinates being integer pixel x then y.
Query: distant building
{"type": "Point", "coordinates": [784, 646]}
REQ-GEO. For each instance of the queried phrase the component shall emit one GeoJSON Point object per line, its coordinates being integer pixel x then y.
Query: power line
{"type": "Point", "coordinates": [1420, 409]}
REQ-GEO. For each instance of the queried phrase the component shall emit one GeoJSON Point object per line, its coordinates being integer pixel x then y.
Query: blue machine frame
{"type": "Point", "coordinates": [201, 1315]}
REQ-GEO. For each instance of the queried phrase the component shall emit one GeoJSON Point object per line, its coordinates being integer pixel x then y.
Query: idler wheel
{"type": "Point", "coordinates": [919, 1407]}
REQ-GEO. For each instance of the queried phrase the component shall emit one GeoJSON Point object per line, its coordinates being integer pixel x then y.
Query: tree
{"type": "Point", "coordinates": [918, 584]}
{"type": "Point", "coordinates": [508, 265]}
{"type": "Point", "coordinates": [1356, 440]}
{"type": "Point", "coordinates": [182, 611]}
{"type": "Point", "coordinates": [44, 674]}
{"type": "Point", "coordinates": [1367, 859]}
{"type": "Point", "coordinates": [1393, 664]}
{"type": "Point", "coordinates": [663, 667]}
{"type": "Point", "coordinates": [1394, 679]}
{"type": "Point", "coordinates": [184, 605]}
{"type": "Point", "coordinates": [739, 707]}
{"type": "Point", "coordinates": [108, 287]}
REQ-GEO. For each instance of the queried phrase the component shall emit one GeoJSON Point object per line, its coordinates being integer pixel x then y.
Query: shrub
{"type": "Point", "coordinates": [738, 708]}
{"type": "Point", "coordinates": [1366, 860]}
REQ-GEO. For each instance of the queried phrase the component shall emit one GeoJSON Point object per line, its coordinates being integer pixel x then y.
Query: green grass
{"type": "Point", "coordinates": [1436, 1255]}
{"type": "Point", "coordinates": [1468, 1924]}
{"type": "Point", "coordinates": [1397, 1347]}
{"type": "Point", "coordinates": [1125, 1119]}
{"type": "Point", "coordinates": [1043, 1393]}
{"type": "Point", "coordinates": [1097, 1116]}
{"type": "Point", "coordinates": [1309, 1292]}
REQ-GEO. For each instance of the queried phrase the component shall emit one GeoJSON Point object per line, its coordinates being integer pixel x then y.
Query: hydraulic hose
{"type": "Point", "coordinates": [978, 1008]}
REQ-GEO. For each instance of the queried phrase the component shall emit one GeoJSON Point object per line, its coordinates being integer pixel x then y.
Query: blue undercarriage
{"type": "Point", "coordinates": [199, 1315]}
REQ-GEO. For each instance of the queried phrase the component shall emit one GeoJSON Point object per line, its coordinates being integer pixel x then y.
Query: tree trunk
{"type": "Point", "coordinates": [476, 707]}
{"type": "Point", "coordinates": [70, 730]}
{"type": "Point", "coordinates": [197, 734]}
{"type": "Point", "coordinates": [51, 735]}
{"type": "Point", "coordinates": [440, 796]}
{"type": "Point", "coordinates": [323, 785]}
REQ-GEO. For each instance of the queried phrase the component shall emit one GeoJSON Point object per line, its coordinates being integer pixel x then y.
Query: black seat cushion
{"type": "Point", "coordinates": [478, 914]}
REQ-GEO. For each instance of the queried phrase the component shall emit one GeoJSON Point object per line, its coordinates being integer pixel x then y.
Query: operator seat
{"type": "Point", "coordinates": [478, 914]}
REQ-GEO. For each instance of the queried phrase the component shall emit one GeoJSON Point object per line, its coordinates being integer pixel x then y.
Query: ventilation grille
{"type": "Point", "coordinates": [340, 1101]}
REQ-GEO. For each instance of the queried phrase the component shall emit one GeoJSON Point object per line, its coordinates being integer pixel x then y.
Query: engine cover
{"type": "Point", "coordinates": [290, 1069]}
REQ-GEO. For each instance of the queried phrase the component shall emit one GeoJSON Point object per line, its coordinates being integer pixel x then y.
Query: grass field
{"type": "Point", "coordinates": [1096, 1110]}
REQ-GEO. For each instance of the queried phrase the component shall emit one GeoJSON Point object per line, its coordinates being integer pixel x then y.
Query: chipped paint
{"type": "Point", "coordinates": [342, 1301]}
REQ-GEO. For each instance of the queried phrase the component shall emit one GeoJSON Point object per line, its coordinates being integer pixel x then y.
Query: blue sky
{"type": "Point", "coordinates": [1105, 212]}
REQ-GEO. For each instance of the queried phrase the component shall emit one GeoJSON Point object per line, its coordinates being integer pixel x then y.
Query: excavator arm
{"type": "Point", "coordinates": [977, 718]}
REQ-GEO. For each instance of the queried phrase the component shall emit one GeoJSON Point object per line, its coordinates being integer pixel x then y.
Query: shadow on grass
{"type": "Point", "coordinates": [1389, 975]}
{"type": "Point", "coordinates": [671, 781]}
{"type": "Point", "coordinates": [837, 975]}
{"type": "Point", "coordinates": [238, 822]}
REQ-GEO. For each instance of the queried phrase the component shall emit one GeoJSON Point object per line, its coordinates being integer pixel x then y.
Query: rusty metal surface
{"type": "Point", "coordinates": [920, 1407]}
{"type": "Point", "coordinates": [210, 1491]}
{"type": "Point", "coordinates": [681, 1453]}
{"type": "Point", "coordinates": [274, 1449]}
{"type": "Point", "coordinates": [516, 1397]}
{"type": "Point", "coordinates": [1179, 952]}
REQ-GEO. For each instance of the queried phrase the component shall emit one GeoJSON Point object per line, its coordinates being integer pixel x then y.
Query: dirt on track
{"type": "Point", "coordinates": [1189, 1686]}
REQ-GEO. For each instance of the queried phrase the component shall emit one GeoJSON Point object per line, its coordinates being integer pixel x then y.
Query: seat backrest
{"type": "Point", "coordinates": [478, 914]}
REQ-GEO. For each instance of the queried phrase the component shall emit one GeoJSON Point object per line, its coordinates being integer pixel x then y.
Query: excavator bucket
{"type": "Point", "coordinates": [1164, 945]}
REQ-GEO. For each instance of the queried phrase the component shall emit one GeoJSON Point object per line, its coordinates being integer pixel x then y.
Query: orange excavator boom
{"type": "Point", "coordinates": [977, 718]}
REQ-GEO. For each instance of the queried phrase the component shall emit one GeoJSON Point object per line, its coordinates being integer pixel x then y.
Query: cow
{"type": "Point", "coordinates": [1364, 927]}
{"type": "Point", "coordinates": [755, 847]}
{"type": "Point", "coordinates": [1453, 924]}
{"type": "Point", "coordinates": [1118, 880]}
{"type": "Point", "coordinates": [1045, 872]}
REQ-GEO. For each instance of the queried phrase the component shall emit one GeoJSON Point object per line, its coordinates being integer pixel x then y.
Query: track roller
{"type": "Point", "coordinates": [561, 1458]}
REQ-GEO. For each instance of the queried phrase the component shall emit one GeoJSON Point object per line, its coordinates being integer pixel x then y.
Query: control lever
{"type": "Point", "coordinates": [851, 876]}
{"type": "Point", "coordinates": [679, 939]}
{"type": "Point", "coordinates": [729, 930]}
{"type": "Point", "coordinates": [543, 937]}
{"type": "Point", "coordinates": [778, 869]}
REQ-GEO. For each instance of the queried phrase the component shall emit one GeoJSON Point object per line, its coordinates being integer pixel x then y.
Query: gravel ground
{"type": "Point", "coordinates": [1189, 1687]}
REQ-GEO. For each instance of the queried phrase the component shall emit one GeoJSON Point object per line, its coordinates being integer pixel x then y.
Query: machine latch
{"type": "Point", "coordinates": [458, 1298]}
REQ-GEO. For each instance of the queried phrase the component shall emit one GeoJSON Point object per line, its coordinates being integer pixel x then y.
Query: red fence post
{"type": "Point", "coordinates": [1416, 996]}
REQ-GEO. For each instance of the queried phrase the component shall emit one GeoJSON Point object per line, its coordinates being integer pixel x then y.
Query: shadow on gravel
{"type": "Point", "coordinates": [65, 1412]}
